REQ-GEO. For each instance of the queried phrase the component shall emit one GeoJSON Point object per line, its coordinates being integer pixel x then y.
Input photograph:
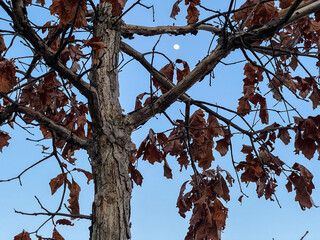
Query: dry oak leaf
{"type": "Point", "coordinates": [193, 14]}
{"type": "Point", "coordinates": [2, 44]}
{"type": "Point", "coordinates": [64, 221]}
{"type": "Point", "coordinates": [117, 6]}
{"type": "Point", "coordinates": [315, 97]}
{"type": "Point", "coordinates": [56, 235]}
{"type": "Point", "coordinates": [167, 71]}
{"type": "Point", "coordinates": [22, 236]}
{"type": "Point", "coordinates": [220, 213]}
{"type": "Point", "coordinates": [57, 182]}
{"type": "Point", "coordinates": [284, 136]}
{"type": "Point", "coordinates": [95, 43]}
{"type": "Point", "coordinates": [167, 170]}
{"type": "Point", "coordinates": [7, 75]}
{"type": "Point", "coordinates": [86, 173]}
{"type": "Point", "coordinates": [66, 10]}
{"type": "Point", "coordinates": [223, 145]}
{"type": "Point", "coordinates": [182, 73]}
{"type": "Point", "coordinates": [135, 174]}
{"type": "Point", "coordinates": [175, 9]}
{"type": "Point", "coordinates": [221, 188]}
{"type": "Point", "coordinates": [74, 197]}
{"type": "Point", "coordinates": [4, 140]}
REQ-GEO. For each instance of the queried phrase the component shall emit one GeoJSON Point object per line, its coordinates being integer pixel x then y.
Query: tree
{"type": "Point", "coordinates": [274, 38]}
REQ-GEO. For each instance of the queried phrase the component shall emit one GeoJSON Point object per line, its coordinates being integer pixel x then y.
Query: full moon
{"type": "Point", "coordinates": [176, 46]}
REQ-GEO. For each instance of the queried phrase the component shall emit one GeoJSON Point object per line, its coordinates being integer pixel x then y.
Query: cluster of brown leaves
{"type": "Point", "coordinates": [209, 214]}
{"type": "Point", "coordinates": [301, 179]}
{"type": "Point", "coordinates": [155, 147]}
{"type": "Point", "coordinates": [253, 77]}
{"type": "Point", "coordinates": [26, 236]}
{"type": "Point", "coordinates": [307, 138]}
{"type": "Point", "coordinates": [48, 98]}
{"type": "Point", "coordinates": [192, 11]}
{"type": "Point", "coordinates": [66, 10]}
{"type": "Point", "coordinates": [258, 14]}
{"type": "Point", "coordinates": [74, 188]}
{"type": "Point", "coordinates": [168, 71]}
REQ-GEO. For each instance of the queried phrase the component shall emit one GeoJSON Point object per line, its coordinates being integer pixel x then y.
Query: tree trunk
{"type": "Point", "coordinates": [112, 144]}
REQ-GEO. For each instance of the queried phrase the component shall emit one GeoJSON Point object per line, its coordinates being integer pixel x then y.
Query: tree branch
{"type": "Point", "coordinates": [175, 30]}
{"type": "Point", "coordinates": [203, 68]}
{"type": "Point", "coordinates": [25, 30]}
{"type": "Point", "coordinates": [60, 130]}
{"type": "Point", "coordinates": [55, 214]}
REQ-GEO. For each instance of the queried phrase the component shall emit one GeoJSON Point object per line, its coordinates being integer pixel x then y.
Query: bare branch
{"type": "Point", "coordinates": [175, 30]}
{"type": "Point", "coordinates": [55, 214]}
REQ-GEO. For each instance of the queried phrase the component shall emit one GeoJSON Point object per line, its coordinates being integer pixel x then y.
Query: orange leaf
{"type": "Point", "coordinates": [22, 236]}
{"type": "Point", "coordinates": [57, 182]}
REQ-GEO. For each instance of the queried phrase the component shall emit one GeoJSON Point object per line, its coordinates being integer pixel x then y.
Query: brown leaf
{"type": "Point", "coordinates": [220, 213]}
{"type": "Point", "coordinates": [175, 9]}
{"type": "Point", "coordinates": [64, 222]}
{"type": "Point", "coordinates": [4, 137]}
{"type": "Point", "coordinates": [57, 182]}
{"type": "Point", "coordinates": [221, 188]}
{"type": "Point", "coordinates": [56, 235]}
{"type": "Point", "coordinates": [246, 149]}
{"type": "Point", "coordinates": [183, 161]}
{"type": "Point", "coordinates": [7, 75]}
{"type": "Point", "coordinates": [315, 97]}
{"type": "Point", "coordinates": [135, 174]}
{"type": "Point", "coordinates": [74, 197]}
{"type": "Point", "coordinates": [117, 6]}
{"type": "Point", "coordinates": [214, 128]}
{"type": "Point", "coordinates": [182, 73]}
{"type": "Point", "coordinates": [86, 173]}
{"type": "Point", "coordinates": [167, 170]}
{"type": "Point", "coordinates": [22, 236]}
{"type": "Point", "coordinates": [2, 44]}
{"type": "Point", "coordinates": [182, 203]}
{"type": "Point", "coordinates": [284, 136]}
{"type": "Point", "coordinates": [193, 14]}
{"type": "Point", "coordinates": [244, 106]}
{"type": "Point", "coordinates": [95, 43]}
{"type": "Point", "coordinates": [167, 71]}
{"type": "Point", "coordinates": [223, 146]}
{"type": "Point", "coordinates": [307, 146]}
{"type": "Point", "coordinates": [66, 10]}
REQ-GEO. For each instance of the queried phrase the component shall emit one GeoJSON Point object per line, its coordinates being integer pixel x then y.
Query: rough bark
{"type": "Point", "coordinates": [112, 145]}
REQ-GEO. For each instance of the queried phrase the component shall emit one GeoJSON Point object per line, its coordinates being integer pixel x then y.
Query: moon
{"type": "Point", "coordinates": [176, 46]}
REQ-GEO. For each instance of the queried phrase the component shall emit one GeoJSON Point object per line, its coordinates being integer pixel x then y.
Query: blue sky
{"type": "Point", "coordinates": [154, 212]}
